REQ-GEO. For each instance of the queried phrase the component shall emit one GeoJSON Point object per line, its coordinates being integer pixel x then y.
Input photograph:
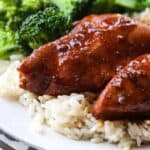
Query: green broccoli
{"type": "Point", "coordinates": [133, 5]}
{"type": "Point", "coordinates": [8, 43]}
{"type": "Point", "coordinates": [73, 8]}
{"type": "Point", "coordinates": [99, 6]}
{"type": "Point", "coordinates": [29, 7]}
{"type": "Point", "coordinates": [47, 3]}
{"type": "Point", "coordinates": [105, 6]}
{"type": "Point", "coordinates": [102, 6]}
{"type": "Point", "coordinates": [8, 8]}
{"type": "Point", "coordinates": [8, 37]}
{"type": "Point", "coordinates": [44, 26]}
{"type": "Point", "coordinates": [12, 13]}
{"type": "Point", "coordinates": [143, 4]}
{"type": "Point", "coordinates": [32, 4]}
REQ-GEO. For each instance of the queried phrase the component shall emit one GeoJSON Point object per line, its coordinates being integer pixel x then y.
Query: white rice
{"type": "Point", "coordinates": [3, 65]}
{"type": "Point", "coordinates": [70, 115]}
{"type": "Point", "coordinates": [9, 82]}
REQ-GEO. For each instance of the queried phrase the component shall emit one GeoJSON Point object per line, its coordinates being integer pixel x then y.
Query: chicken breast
{"type": "Point", "coordinates": [127, 95]}
{"type": "Point", "coordinates": [87, 58]}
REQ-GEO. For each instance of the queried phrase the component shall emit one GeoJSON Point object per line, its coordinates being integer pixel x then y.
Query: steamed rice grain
{"type": "Point", "coordinates": [9, 82]}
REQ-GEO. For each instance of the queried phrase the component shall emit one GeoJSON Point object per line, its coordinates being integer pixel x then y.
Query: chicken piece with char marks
{"type": "Point", "coordinates": [87, 58]}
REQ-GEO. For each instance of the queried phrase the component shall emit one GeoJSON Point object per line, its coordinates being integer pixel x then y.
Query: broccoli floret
{"type": "Point", "coordinates": [98, 6]}
{"type": "Point", "coordinates": [8, 37]}
{"type": "Point", "coordinates": [8, 43]}
{"type": "Point", "coordinates": [47, 3]}
{"type": "Point", "coordinates": [13, 12]}
{"type": "Point", "coordinates": [73, 8]}
{"type": "Point", "coordinates": [32, 4]}
{"type": "Point", "coordinates": [29, 7]}
{"type": "Point", "coordinates": [8, 8]}
{"type": "Point", "coordinates": [133, 5]}
{"type": "Point", "coordinates": [102, 6]}
{"type": "Point", "coordinates": [44, 26]}
{"type": "Point", "coordinates": [9, 13]}
{"type": "Point", "coordinates": [143, 4]}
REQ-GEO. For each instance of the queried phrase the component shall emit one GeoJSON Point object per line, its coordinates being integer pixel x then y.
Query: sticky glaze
{"type": "Point", "coordinates": [128, 94]}
{"type": "Point", "coordinates": [87, 58]}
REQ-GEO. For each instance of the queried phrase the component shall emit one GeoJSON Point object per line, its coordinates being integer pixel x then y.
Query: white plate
{"type": "Point", "coordinates": [14, 121]}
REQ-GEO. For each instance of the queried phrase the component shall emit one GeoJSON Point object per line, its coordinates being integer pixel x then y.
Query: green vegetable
{"type": "Point", "coordinates": [44, 26]}
{"type": "Point", "coordinates": [134, 5]}
{"type": "Point", "coordinates": [32, 4]}
{"type": "Point", "coordinates": [131, 4]}
{"type": "Point", "coordinates": [47, 3]}
{"type": "Point", "coordinates": [143, 4]}
{"type": "Point", "coordinates": [73, 8]}
{"type": "Point", "coordinates": [12, 13]}
{"type": "Point", "coordinates": [8, 38]}
{"type": "Point", "coordinates": [102, 6]}
{"type": "Point", "coordinates": [8, 43]}
{"type": "Point", "coordinates": [8, 8]}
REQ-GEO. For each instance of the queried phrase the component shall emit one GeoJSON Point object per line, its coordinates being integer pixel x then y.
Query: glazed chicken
{"type": "Point", "coordinates": [127, 95]}
{"type": "Point", "coordinates": [87, 58]}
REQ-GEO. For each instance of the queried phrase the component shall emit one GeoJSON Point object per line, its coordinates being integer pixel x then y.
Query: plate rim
{"type": "Point", "coordinates": [20, 139]}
